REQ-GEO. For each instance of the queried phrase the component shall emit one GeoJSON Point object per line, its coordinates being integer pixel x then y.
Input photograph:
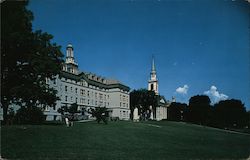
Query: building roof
{"type": "Point", "coordinates": [95, 80]}
{"type": "Point", "coordinates": [162, 101]}
{"type": "Point", "coordinates": [89, 77]}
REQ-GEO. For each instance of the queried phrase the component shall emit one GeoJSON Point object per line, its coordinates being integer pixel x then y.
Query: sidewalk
{"type": "Point", "coordinates": [88, 120]}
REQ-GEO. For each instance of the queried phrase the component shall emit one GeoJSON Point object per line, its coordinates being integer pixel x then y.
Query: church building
{"type": "Point", "coordinates": [87, 90]}
{"type": "Point", "coordinates": [153, 85]}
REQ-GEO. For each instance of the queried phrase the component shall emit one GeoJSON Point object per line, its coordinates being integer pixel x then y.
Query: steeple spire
{"type": "Point", "coordinates": [153, 82]}
{"type": "Point", "coordinates": [153, 65]}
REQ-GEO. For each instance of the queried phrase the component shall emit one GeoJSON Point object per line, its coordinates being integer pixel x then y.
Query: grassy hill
{"type": "Point", "coordinates": [122, 140]}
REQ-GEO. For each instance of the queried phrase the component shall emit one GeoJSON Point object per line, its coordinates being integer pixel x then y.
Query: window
{"type": "Point", "coordinates": [82, 92]}
{"type": "Point", "coordinates": [66, 98]}
{"type": "Point", "coordinates": [82, 100]}
{"type": "Point", "coordinates": [71, 89]}
{"type": "Point", "coordinates": [76, 90]}
{"type": "Point", "coordinates": [54, 81]}
{"type": "Point", "coordinates": [66, 88]}
{"type": "Point", "coordinates": [83, 83]}
{"type": "Point", "coordinates": [76, 99]}
{"type": "Point", "coordinates": [71, 98]}
{"type": "Point", "coordinates": [96, 103]}
{"type": "Point", "coordinates": [95, 95]}
{"type": "Point", "coordinates": [120, 104]}
{"type": "Point", "coordinates": [88, 101]}
{"type": "Point", "coordinates": [100, 96]}
{"type": "Point", "coordinates": [88, 94]}
{"type": "Point", "coordinates": [152, 87]}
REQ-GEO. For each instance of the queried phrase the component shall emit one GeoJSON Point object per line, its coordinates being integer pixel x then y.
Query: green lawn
{"type": "Point", "coordinates": [122, 140]}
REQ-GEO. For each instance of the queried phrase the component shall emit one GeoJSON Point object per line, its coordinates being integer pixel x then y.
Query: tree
{"type": "Point", "coordinates": [27, 59]}
{"type": "Point", "coordinates": [72, 109]}
{"type": "Point", "coordinates": [32, 115]}
{"type": "Point", "coordinates": [248, 119]}
{"type": "Point", "coordinates": [230, 113]}
{"type": "Point", "coordinates": [177, 111]}
{"type": "Point", "coordinates": [199, 110]}
{"type": "Point", "coordinates": [143, 99]}
{"type": "Point", "coordinates": [100, 113]}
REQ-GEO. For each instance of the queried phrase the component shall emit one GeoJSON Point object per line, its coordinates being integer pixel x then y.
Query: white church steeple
{"type": "Point", "coordinates": [153, 82]}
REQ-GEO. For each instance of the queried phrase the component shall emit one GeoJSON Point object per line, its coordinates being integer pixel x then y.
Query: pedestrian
{"type": "Point", "coordinates": [71, 118]}
{"type": "Point", "coordinates": [67, 121]}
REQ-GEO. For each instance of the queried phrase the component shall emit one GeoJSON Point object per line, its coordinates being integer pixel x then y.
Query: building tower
{"type": "Point", "coordinates": [153, 82]}
{"type": "Point", "coordinates": [70, 64]}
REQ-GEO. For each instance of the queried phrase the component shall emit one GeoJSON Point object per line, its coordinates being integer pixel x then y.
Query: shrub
{"type": "Point", "coordinates": [100, 113]}
{"type": "Point", "coordinates": [30, 115]}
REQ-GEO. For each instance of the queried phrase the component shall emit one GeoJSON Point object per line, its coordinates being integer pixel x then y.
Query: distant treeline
{"type": "Point", "coordinates": [224, 114]}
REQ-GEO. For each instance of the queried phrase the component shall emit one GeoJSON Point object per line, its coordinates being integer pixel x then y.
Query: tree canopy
{"type": "Point", "coordinates": [101, 114]}
{"type": "Point", "coordinates": [72, 109]}
{"type": "Point", "coordinates": [230, 113]}
{"type": "Point", "coordinates": [142, 99]}
{"type": "Point", "coordinates": [199, 109]}
{"type": "Point", "coordinates": [177, 111]}
{"type": "Point", "coordinates": [27, 59]}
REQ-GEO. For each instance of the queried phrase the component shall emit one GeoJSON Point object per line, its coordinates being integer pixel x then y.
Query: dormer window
{"type": "Point", "coordinates": [82, 83]}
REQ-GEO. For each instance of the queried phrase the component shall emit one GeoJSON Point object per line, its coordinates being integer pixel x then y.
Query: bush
{"type": "Point", "coordinates": [30, 115]}
{"type": "Point", "coordinates": [100, 113]}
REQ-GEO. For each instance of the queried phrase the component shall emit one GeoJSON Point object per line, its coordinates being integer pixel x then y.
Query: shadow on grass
{"type": "Point", "coordinates": [53, 123]}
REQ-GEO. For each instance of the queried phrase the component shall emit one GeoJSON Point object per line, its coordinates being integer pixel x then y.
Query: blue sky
{"type": "Point", "coordinates": [200, 46]}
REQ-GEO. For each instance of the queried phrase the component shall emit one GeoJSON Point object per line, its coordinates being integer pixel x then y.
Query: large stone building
{"type": "Point", "coordinates": [88, 91]}
{"type": "Point", "coordinates": [153, 85]}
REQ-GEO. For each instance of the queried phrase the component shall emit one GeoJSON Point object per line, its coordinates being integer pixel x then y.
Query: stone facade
{"type": "Point", "coordinates": [88, 91]}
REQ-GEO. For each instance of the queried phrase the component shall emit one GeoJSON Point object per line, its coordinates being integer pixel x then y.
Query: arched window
{"type": "Point", "coordinates": [152, 87]}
